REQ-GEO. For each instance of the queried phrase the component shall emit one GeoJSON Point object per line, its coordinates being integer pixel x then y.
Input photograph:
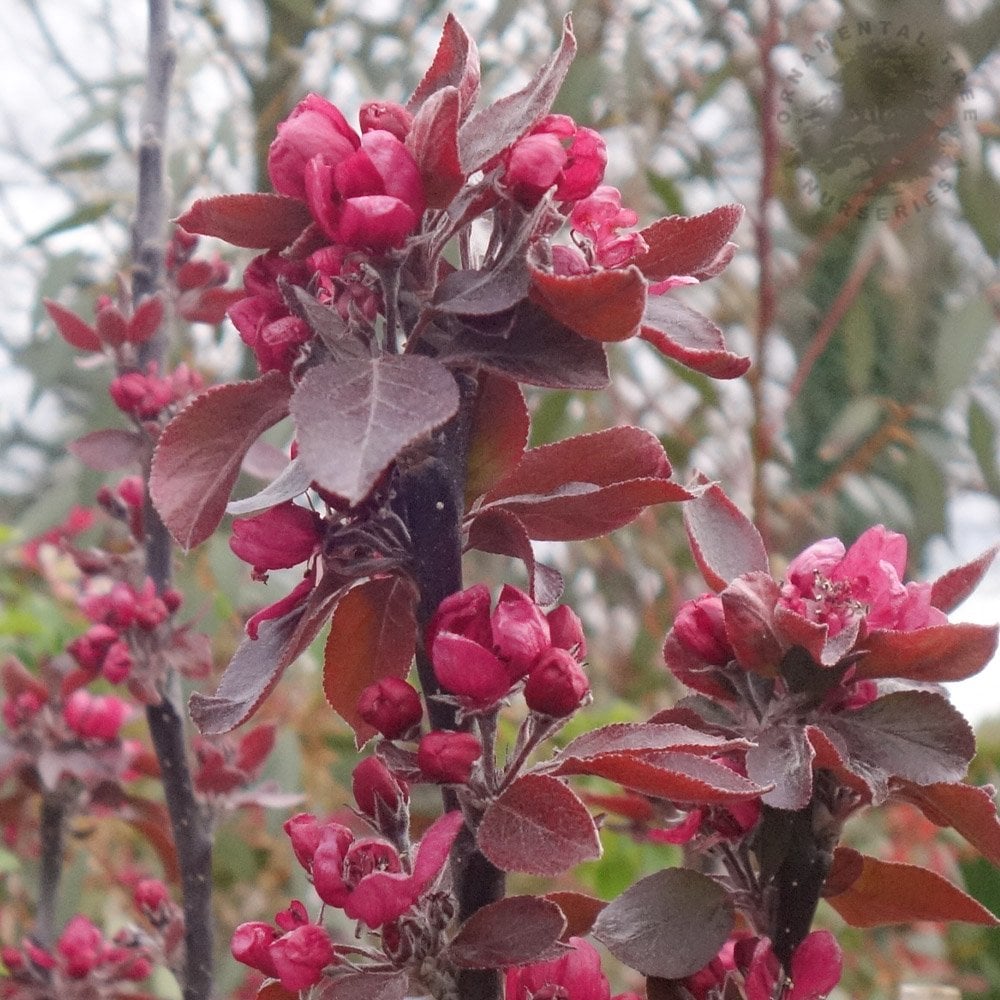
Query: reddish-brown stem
{"type": "Point", "coordinates": [192, 835]}
{"type": "Point", "coordinates": [766, 291]}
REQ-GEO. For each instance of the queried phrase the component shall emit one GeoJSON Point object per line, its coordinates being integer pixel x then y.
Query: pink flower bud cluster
{"type": "Point", "coordinates": [479, 656]}
{"type": "Point", "coordinates": [556, 154]}
{"type": "Point", "coordinates": [81, 955]}
{"type": "Point", "coordinates": [576, 976]}
{"type": "Point", "coordinates": [95, 717]}
{"type": "Point", "coordinates": [364, 192]}
{"type": "Point", "coordinates": [366, 877]}
{"type": "Point", "coordinates": [750, 961]}
{"type": "Point", "coordinates": [118, 614]}
{"type": "Point", "coordinates": [146, 395]}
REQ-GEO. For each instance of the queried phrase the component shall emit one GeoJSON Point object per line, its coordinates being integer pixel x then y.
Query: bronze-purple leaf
{"type": "Point", "coordinates": [539, 826]}
{"type": "Point", "coordinates": [256, 221]}
{"type": "Point", "coordinates": [686, 335]}
{"type": "Point", "coordinates": [511, 931]}
{"type": "Point", "coordinates": [669, 924]}
{"type": "Point", "coordinates": [354, 417]}
{"type": "Point", "coordinates": [198, 457]}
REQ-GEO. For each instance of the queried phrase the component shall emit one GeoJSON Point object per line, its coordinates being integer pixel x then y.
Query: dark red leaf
{"type": "Point", "coordinates": [537, 350]}
{"type": "Point", "coordinates": [346, 985]}
{"type": "Point", "coordinates": [455, 64]}
{"type": "Point", "coordinates": [724, 542]}
{"type": "Point", "coordinates": [273, 990]}
{"type": "Point", "coordinates": [502, 533]}
{"type": "Point", "coordinates": [485, 292]}
{"type": "Point", "coordinates": [498, 433]}
{"type": "Point", "coordinates": [354, 417]}
{"type": "Point", "coordinates": [511, 931]}
{"type": "Point", "coordinates": [679, 777]}
{"type": "Point", "coordinates": [588, 485]}
{"type": "Point", "coordinates": [198, 456]}
{"type": "Point", "coordinates": [602, 305]}
{"type": "Point", "coordinates": [72, 329]}
{"type": "Point", "coordinates": [579, 909]}
{"type": "Point", "coordinates": [372, 636]}
{"type": "Point", "coordinates": [433, 142]}
{"type": "Point", "coordinates": [495, 128]}
{"type": "Point", "coordinates": [107, 450]}
{"type": "Point", "coordinates": [669, 924]}
{"type": "Point", "coordinates": [259, 663]}
{"type": "Point", "coordinates": [938, 653]}
{"type": "Point", "coordinates": [538, 826]}
{"type": "Point", "coordinates": [146, 320]}
{"type": "Point", "coordinates": [210, 305]}
{"type": "Point", "coordinates": [953, 587]}
{"type": "Point", "coordinates": [291, 482]}
{"type": "Point", "coordinates": [257, 221]}
{"type": "Point", "coordinates": [891, 892]}
{"type": "Point", "coordinates": [645, 738]}
{"type": "Point", "coordinates": [782, 756]}
{"type": "Point", "coordinates": [687, 336]}
{"type": "Point", "coordinates": [831, 754]}
{"type": "Point", "coordinates": [970, 810]}
{"type": "Point", "coordinates": [327, 324]}
{"type": "Point", "coordinates": [916, 735]}
{"type": "Point", "coordinates": [687, 246]}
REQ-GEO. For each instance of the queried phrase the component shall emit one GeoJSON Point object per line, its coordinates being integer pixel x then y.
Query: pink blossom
{"type": "Point", "coordinates": [469, 670]}
{"type": "Point", "coordinates": [556, 685]}
{"type": "Point", "coordinates": [370, 200]}
{"type": "Point", "coordinates": [520, 631]}
{"type": "Point", "coordinates": [251, 944]}
{"type": "Point", "coordinates": [831, 586]}
{"type": "Point", "coordinates": [566, 630]}
{"type": "Point", "coordinates": [80, 946]}
{"type": "Point", "coordinates": [575, 976]}
{"type": "Point", "coordinates": [387, 116]}
{"type": "Point", "coordinates": [467, 613]}
{"type": "Point", "coordinates": [314, 128]}
{"type": "Point", "coordinates": [599, 218]}
{"type": "Point", "coordinates": [377, 791]}
{"type": "Point", "coordinates": [447, 758]}
{"type": "Point", "coordinates": [305, 831]}
{"type": "Point", "coordinates": [700, 627]}
{"type": "Point", "coordinates": [365, 877]}
{"type": "Point", "coordinates": [391, 706]}
{"type": "Point", "coordinates": [300, 955]}
{"type": "Point", "coordinates": [95, 717]}
{"type": "Point", "coordinates": [279, 538]}
{"type": "Point", "coordinates": [555, 153]}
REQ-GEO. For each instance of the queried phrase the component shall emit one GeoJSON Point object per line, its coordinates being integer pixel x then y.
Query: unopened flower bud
{"type": "Point", "coordinates": [380, 795]}
{"type": "Point", "coordinates": [520, 631]}
{"type": "Point", "coordinates": [151, 896]}
{"type": "Point", "coordinates": [700, 627]}
{"type": "Point", "coordinates": [391, 706]}
{"type": "Point", "coordinates": [93, 716]}
{"type": "Point", "coordinates": [387, 116]}
{"type": "Point", "coordinates": [304, 831]}
{"type": "Point", "coordinates": [80, 946]}
{"type": "Point", "coordinates": [446, 758]}
{"type": "Point", "coordinates": [90, 648]}
{"type": "Point", "coordinates": [566, 630]}
{"type": "Point", "coordinates": [117, 663]}
{"type": "Point", "coordinates": [464, 613]}
{"type": "Point", "coordinates": [470, 671]}
{"type": "Point", "coordinates": [556, 684]}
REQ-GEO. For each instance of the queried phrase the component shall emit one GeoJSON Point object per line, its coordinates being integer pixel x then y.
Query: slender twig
{"type": "Point", "coordinates": [192, 836]}
{"type": "Point", "coordinates": [53, 823]}
{"type": "Point", "coordinates": [766, 291]}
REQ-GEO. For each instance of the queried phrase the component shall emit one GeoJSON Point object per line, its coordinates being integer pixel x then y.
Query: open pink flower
{"type": "Point", "coordinates": [839, 588]}
{"type": "Point", "coordinates": [555, 153]}
{"type": "Point", "coordinates": [365, 877]}
{"type": "Point", "coordinates": [575, 976]}
{"type": "Point", "coordinates": [279, 538]}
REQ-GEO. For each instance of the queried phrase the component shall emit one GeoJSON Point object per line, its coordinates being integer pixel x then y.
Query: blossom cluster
{"type": "Point", "coordinates": [577, 975]}
{"type": "Point", "coordinates": [81, 964]}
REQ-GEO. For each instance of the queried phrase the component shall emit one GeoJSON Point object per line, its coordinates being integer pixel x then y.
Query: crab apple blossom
{"type": "Point", "coordinates": [300, 955]}
{"type": "Point", "coordinates": [371, 199]}
{"type": "Point", "coordinates": [837, 586]}
{"type": "Point", "coordinates": [598, 218]}
{"type": "Point", "coordinates": [95, 717]}
{"type": "Point", "coordinates": [377, 791]}
{"type": "Point", "coordinates": [555, 153]}
{"type": "Point", "coordinates": [391, 706]}
{"type": "Point", "coordinates": [447, 758]}
{"type": "Point", "coordinates": [314, 128]}
{"type": "Point", "coordinates": [386, 116]}
{"type": "Point", "coordinates": [279, 538]}
{"type": "Point", "coordinates": [577, 975]}
{"type": "Point", "coordinates": [556, 685]}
